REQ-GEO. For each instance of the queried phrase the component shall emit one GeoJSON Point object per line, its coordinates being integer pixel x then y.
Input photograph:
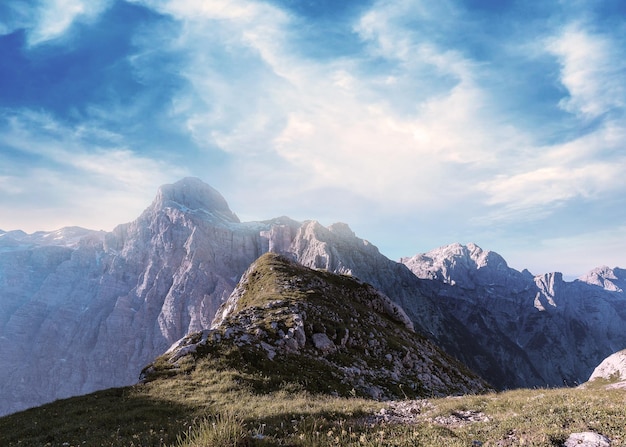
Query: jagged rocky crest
{"type": "Point", "coordinates": [543, 330]}
{"type": "Point", "coordinates": [82, 310]}
{"type": "Point", "coordinates": [323, 332]}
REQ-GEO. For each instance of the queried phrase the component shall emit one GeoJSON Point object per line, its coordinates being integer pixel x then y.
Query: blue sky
{"type": "Point", "coordinates": [419, 123]}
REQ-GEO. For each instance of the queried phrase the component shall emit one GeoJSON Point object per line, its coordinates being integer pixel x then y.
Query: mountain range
{"type": "Point", "coordinates": [84, 310]}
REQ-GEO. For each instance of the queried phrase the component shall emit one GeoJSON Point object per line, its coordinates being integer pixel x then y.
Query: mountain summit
{"type": "Point", "coordinates": [192, 194]}
{"type": "Point", "coordinates": [321, 331]}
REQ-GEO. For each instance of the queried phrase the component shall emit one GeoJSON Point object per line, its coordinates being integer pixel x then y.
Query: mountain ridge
{"type": "Point", "coordinates": [84, 314]}
{"type": "Point", "coordinates": [352, 339]}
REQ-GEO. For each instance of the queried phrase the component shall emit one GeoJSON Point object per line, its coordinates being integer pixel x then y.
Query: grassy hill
{"type": "Point", "coordinates": [213, 408]}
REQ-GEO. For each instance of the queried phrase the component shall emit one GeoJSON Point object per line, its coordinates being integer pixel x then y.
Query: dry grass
{"type": "Point", "coordinates": [210, 407]}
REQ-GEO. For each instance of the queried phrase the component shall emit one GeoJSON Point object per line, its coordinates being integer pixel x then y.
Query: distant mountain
{"type": "Point", "coordinates": [322, 332]}
{"type": "Point", "coordinates": [82, 310]}
{"type": "Point", "coordinates": [549, 331]}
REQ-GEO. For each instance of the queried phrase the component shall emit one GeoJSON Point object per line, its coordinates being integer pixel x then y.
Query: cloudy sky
{"type": "Point", "coordinates": [419, 123]}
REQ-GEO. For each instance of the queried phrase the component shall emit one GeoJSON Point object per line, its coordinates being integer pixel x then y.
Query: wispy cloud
{"type": "Point", "coordinates": [334, 121]}
{"type": "Point", "coordinates": [592, 71]}
{"type": "Point", "coordinates": [589, 163]}
{"type": "Point", "coordinates": [51, 19]}
{"type": "Point", "coordinates": [587, 167]}
{"type": "Point", "coordinates": [66, 167]}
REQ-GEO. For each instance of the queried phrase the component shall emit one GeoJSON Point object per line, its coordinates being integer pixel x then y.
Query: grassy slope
{"type": "Point", "coordinates": [225, 404]}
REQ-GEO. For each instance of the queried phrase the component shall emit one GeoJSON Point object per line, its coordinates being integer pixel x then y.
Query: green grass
{"type": "Point", "coordinates": [211, 407]}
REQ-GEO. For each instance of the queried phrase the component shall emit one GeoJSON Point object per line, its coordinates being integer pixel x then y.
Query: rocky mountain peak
{"type": "Point", "coordinates": [193, 195]}
{"type": "Point", "coordinates": [611, 279]}
{"type": "Point", "coordinates": [458, 264]}
{"type": "Point", "coordinates": [342, 229]}
{"type": "Point", "coordinates": [322, 331]}
{"type": "Point", "coordinates": [73, 297]}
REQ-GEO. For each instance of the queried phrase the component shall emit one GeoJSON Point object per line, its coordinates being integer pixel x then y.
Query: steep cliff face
{"type": "Point", "coordinates": [321, 331]}
{"type": "Point", "coordinates": [550, 331]}
{"type": "Point", "coordinates": [83, 310]}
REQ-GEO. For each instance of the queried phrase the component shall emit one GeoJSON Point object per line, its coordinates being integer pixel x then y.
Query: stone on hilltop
{"type": "Point", "coordinates": [587, 439]}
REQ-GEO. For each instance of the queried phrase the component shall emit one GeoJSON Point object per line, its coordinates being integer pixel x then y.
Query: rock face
{"type": "Point", "coordinates": [324, 332]}
{"type": "Point", "coordinates": [542, 330]}
{"type": "Point", "coordinates": [82, 310]}
{"type": "Point", "coordinates": [612, 368]}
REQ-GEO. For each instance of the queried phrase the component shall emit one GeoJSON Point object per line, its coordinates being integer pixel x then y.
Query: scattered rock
{"type": "Point", "coordinates": [460, 418]}
{"type": "Point", "coordinates": [587, 439]}
{"type": "Point", "coordinates": [403, 412]}
{"type": "Point", "coordinates": [323, 343]}
{"type": "Point", "coordinates": [414, 411]}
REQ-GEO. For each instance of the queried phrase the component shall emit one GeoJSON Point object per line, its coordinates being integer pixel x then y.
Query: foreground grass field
{"type": "Point", "coordinates": [211, 407]}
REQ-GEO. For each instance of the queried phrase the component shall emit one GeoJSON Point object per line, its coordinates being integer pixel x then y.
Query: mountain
{"type": "Point", "coordinates": [322, 332]}
{"type": "Point", "coordinates": [88, 314]}
{"type": "Point", "coordinates": [82, 310]}
{"type": "Point", "coordinates": [550, 331]}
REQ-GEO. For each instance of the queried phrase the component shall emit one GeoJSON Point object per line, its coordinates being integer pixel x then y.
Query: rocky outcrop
{"type": "Point", "coordinates": [351, 337]}
{"type": "Point", "coordinates": [587, 439]}
{"type": "Point", "coordinates": [612, 369]}
{"type": "Point", "coordinates": [612, 280]}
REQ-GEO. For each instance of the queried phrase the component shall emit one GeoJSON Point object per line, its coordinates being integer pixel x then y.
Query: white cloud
{"type": "Point", "coordinates": [588, 167]}
{"type": "Point", "coordinates": [75, 181]}
{"type": "Point", "coordinates": [52, 18]}
{"type": "Point", "coordinates": [593, 69]}
{"type": "Point", "coordinates": [206, 9]}
{"type": "Point", "coordinates": [332, 121]}
{"type": "Point", "coordinates": [537, 180]}
{"type": "Point", "coordinates": [424, 130]}
{"type": "Point", "coordinates": [228, 51]}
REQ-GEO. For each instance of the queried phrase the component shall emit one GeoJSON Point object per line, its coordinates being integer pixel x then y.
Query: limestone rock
{"type": "Point", "coordinates": [83, 310]}
{"type": "Point", "coordinates": [323, 343]}
{"type": "Point", "coordinates": [587, 439]}
{"type": "Point", "coordinates": [613, 368]}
